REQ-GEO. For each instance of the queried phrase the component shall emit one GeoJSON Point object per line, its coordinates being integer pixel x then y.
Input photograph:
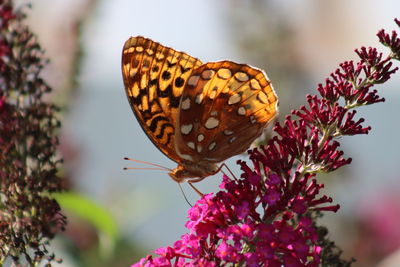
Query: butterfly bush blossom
{"type": "Point", "coordinates": [267, 217]}
{"type": "Point", "coordinates": [29, 216]}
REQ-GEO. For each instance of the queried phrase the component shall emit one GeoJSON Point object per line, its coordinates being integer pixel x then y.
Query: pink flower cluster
{"type": "Point", "coordinates": [228, 228]}
{"type": "Point", "coordinates": [267, 217]}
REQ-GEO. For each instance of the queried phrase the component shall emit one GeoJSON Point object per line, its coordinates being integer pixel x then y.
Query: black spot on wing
{"type": "Point", "coordinates": [173, 101]}
{"type": "Point", "coordinates": [183, 69]}
{"type": "Point", "coordinates": [153, 82]}
{"type": "Point", "coordinates": [154, 122]}
{"type": "Point", "coordinates": [165, 125]}
{"type": "Point", "coordinates": [170, 65]}
{"type": "Point", "coordinates": [179, 82]}
{"type": "Point", "coordinates": [166, 75]}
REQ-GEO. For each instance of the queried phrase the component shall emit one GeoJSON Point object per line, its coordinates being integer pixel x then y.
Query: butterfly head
{"type": "Point", "coordinates": [194, 172]}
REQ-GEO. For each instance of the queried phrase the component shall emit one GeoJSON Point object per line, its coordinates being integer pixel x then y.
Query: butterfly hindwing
{"type": "Point", "coordinates": [224, 107]}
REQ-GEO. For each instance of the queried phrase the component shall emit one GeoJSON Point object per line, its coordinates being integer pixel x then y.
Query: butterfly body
{"type": "Point", "coordinates": [197, 114]}
{"type": "Point", "coordinates": [193, 171]}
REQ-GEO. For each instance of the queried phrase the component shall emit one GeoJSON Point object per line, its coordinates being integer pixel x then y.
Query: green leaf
{"type": "Point", "coordinates": [93, 213]}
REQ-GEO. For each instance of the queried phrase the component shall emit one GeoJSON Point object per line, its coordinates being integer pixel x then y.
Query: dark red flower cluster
{"type": "Point", "coordinates": [267, 217]}
{"type": "Point", "coordinates": [29, 216]}
{"type": "Point", "coordinates": [6, 15]}
{"type": "Point", "coordinates": [392, 41]}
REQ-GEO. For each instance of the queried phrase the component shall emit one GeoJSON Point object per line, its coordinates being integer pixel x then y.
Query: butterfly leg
{"type": "Point", "coordinates": [201, 178]}
{"type": "Point", "coordinates": [229, 170]}
{"type": "Point", "coordinates": [195, 189]}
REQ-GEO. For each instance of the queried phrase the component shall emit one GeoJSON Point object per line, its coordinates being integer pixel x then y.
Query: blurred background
{"type": "Point", "coordinates": [124, 215]}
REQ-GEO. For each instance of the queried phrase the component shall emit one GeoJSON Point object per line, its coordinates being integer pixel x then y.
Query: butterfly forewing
{"type": "Point", "coordinates": [154, 78]}
{"type": "Point", "coordinates": [224, 107]}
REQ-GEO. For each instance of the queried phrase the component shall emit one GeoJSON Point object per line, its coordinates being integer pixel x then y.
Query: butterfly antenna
{"type": "Point", "coordinates": [159, 167]}
{"type": "Point", "coordinates": [184, 195]}
{"type": "Point", "coordinates": [151, 169]}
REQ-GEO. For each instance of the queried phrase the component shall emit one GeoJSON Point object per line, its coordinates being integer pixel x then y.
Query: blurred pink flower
{"type": "Point", "coordinates": [380, 217]}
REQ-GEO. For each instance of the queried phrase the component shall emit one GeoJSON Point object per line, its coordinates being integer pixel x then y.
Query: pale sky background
{"type": "Point", "coordinates": [147, 204]}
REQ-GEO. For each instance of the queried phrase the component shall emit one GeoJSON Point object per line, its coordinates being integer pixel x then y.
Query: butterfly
{"type": "Point", "coordinates": [198, 114]}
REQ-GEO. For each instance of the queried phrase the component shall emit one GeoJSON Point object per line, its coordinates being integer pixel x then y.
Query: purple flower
{"type": "Point", "coordinates": [271, 197]}
{"type": "Point", "coordinates": [227, 253]}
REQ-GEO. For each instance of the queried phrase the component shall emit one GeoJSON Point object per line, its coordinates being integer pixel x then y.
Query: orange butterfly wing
{"type": "Point", "coordinates": [225, 106]}
{"type": "Point", "coordinates": [155, 77]}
